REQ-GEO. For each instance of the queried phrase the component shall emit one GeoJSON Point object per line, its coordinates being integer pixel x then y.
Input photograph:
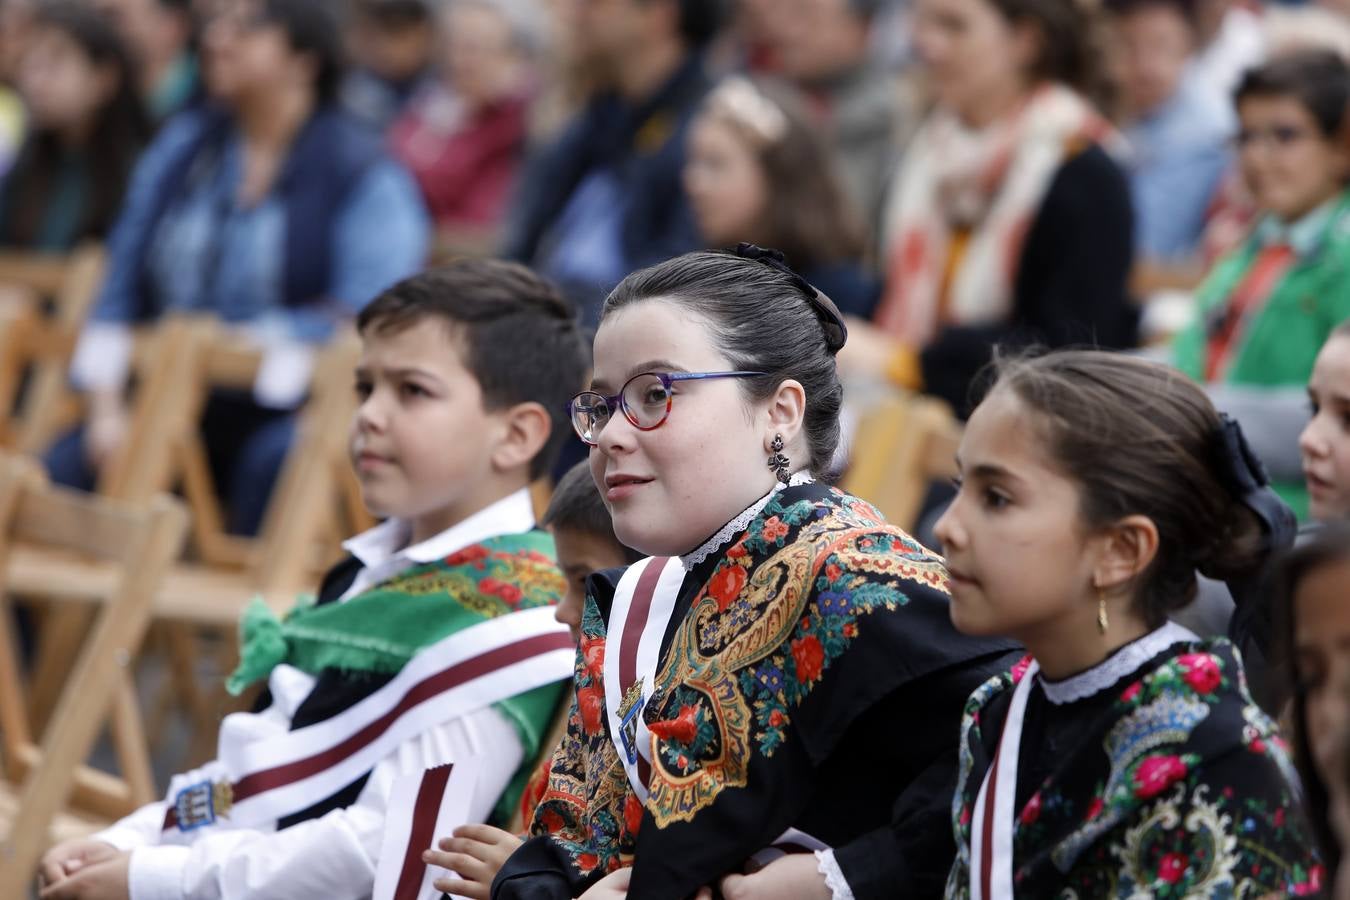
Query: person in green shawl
{"type": "Point", "coordinates": [454, 423]}
{"type": "Point", "coordinates": [1266, 308]}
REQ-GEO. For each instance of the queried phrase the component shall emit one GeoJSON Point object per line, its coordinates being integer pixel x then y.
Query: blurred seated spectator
{"type": "Point", "coordinates": [1268, 306]}
{"type": "Point", "coordinates": [463, 136]}
{"type": "Point", "coordinates": [160, 34]}
{"type": "Point", "coordinates": [1177, 125]}
{"type": "Point", "coordinates": [16, 17]}
{"type": "Point", "coordinates": [759, 172]}
{"type": "Point", "coordinates": [392, 45]}
{"type": "Point", "coordinates": [1231, 40]}
{"type": "Point", "coordinates": [823, 47]}
{"type": "Point", "coordinates": [1009, 223]}
{"type": "Point", "coordinates": [86, 128]}
{"type": "Point", "coordinates": [271, 210]}
{"type": "Point", "coordinates": [605, 197]}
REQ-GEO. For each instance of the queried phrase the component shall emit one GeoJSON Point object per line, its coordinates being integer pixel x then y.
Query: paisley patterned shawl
{"type": "Point", "coordinates": [811, 616]}
{"type": "Point", "coordinates": [1179, 786]}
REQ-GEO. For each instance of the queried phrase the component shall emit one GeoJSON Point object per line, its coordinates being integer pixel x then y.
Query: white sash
{"type": "Point", "coordinates": [994, 816]}
{"type": "Point", "coordinates": [632, 654]}
{"type": "Point", "coordinates": [423, 808]}
{"type": "Point", "coordinates": [255, 783]}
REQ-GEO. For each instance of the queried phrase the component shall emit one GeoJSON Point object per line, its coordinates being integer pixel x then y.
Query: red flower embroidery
{"type": "Point", "coordinates": [1172, 867]}
{"type": "Point", "coordinates": [850, 630]}
{"type": "Point", "coordinates": [1095, 808]}
{"type": "Point", "coordinates": [683, 728]}
{"type": "Point", "coordinates": [592, 706]}
{"type": "Point", "coordinates": [1032, 811]}
{"type": "Point", "coordinates": [1257, 746]}
{"type": "Point", "coordinates": [737, 551]}
{"type": "Point", "coordinates": [593, 656]}
{"type": "Point", "coordinates": [1156, 774]}
{"type": "Point", "coordinates": [632, 814]}
{"type": "Point", "coordinates": [1131, 692]}
{"type": "Point", "coordinates": [774, 528]}
{"type": "Point", "coordinates": [809, 657]}
{"type": "Point", "coordinates": [776, 718]}
{"type": "Point", "coordinates": [1202, 672]}
{"type": "Point", "coordinates": [587, 861]}
{"type": "Point", "coordinates": [1313, 886]}
{"type": "Point", "coordinates": [965, 815]}
{"type": "Point", "coordinates": [833, 572]}
{"type": "Point", "coordinates": [726, 585]}
{"type": "Point", "coordinates": [467, 555]}
{"type": "Point", "coordinates": [1279, 817]}
{"type": "Point", "coordinates": [682, 761]}
{"type": "Point", "coordinates": [508, 592]}
{"type": "Point", "coordinates": [552, 822]}
{"type": "Point", "coordinates": [1020, 668]}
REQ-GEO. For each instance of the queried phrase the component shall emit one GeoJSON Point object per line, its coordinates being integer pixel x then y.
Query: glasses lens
{"type": "Point", "coordinates": [590, 414]}
{"type": "Point", "coordinates": [646, 400]}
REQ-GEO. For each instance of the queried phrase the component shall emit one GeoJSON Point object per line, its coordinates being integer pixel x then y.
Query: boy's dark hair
{"type": "Point", "coordinates": [576, 505]}
{"type": "Point", "coordinates": [1140, 438]}
{"type": "Point", "coordinates": [699, 20]}
{"type": "Point", "coordinates": [1319, 80]}
{"type": "Point", "coordinates": [520, 335]}
{"type": "Point", "coordinates": [1331, 544]}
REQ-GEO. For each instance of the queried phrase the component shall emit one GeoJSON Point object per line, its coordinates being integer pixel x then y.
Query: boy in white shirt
{"type": "Point", "coordinates": [432, 643]}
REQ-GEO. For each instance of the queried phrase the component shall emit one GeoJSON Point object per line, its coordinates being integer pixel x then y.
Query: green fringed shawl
{"type": "Point", "coordinates": [382, 628]}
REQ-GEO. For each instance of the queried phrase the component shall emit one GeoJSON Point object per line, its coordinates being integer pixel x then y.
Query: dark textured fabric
{"type": "Point", "coordinates": [1072, 285]}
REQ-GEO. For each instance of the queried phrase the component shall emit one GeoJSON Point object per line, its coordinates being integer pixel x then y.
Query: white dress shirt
{"type": "Point", "coordinates": [332, 857]}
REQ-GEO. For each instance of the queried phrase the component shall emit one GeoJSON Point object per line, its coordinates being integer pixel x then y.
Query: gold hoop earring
{"type": "Point", "coordinates": [1102, 623]}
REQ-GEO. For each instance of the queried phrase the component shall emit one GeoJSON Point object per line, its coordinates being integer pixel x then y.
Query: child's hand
{"type": "Point", "coordinates": [69, 857]}
{"type": "Point", "coordinates": [613, 886]}
{"type": "Point", "coordinates": [102, 880]}
{"type": "Point", "coordinates": [475, 854]}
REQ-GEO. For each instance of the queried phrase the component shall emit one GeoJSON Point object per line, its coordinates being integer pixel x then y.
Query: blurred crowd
{"type": "Point", "coordinates": [952, 173]}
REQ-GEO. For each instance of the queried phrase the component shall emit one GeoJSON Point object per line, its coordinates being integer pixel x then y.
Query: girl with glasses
{"type": "Point", "coordinates": [1269, 305]}
{"type": "Point", "coordinates": [782, 640]}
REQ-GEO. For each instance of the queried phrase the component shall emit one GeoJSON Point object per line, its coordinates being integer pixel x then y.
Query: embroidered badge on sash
{"type": "Point", "coordinates": [629, 710]}
{"type": "Point", "coordinates": [201, 804]}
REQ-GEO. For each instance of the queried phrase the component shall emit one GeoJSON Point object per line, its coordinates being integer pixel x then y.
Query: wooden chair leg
{"type": "Point", "coordinates": [63, 631]}
{"type": "Point", "coordinates": [129, 741]}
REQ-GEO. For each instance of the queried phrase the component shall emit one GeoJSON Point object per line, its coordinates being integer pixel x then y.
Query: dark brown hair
{"type": "Point", "coordinates": [807, 214]}
{"type": "Point", "coordinates": [1318, 80]}
{"type": "Point", "coordinates": [1066, 36]}
{"type": "Point", "coordinates": [576, 506]}
{"type": "Point", "coordinates": [518, 334]}
{"type": "Point", "coordinates": [1330, 545]}
{"type": "Point", "coordinates": [1140, 438]}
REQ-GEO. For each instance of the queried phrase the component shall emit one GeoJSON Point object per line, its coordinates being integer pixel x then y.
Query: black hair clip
{"type": "Point", "coordinates": [836, 332]}
{"type": "Point", "coordinates": [1250, 483]}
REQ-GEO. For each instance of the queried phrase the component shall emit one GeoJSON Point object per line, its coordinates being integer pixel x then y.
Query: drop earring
{"type": "Point", "coordinates": [1102, 623]}
{"type": "Point", "coordinates": [778, 462]}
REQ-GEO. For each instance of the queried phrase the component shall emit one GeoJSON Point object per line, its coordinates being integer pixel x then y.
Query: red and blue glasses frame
{"type": "Point", "coordinates": [617, 400]}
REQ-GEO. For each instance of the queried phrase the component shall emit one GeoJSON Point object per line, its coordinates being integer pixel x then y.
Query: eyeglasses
{"type": "Point", "coordinates": [1279, 135]}
{"type": "Point", "coordinates": [645, 399]}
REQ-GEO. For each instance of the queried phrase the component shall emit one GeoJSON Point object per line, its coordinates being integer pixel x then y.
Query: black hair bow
{"type": "Point", "coordinates": [836, 332]}
{"type": "Point", "coordinates": [1249, 482]}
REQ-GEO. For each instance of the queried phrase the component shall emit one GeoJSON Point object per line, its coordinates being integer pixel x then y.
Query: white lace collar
{"type": "Point", "coordinates": [1116, 666]}
{"type": "Point", "coordinates": [740, 523]}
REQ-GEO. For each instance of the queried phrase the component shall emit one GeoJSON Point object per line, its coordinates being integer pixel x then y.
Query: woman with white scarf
{"type": "Point", "coordinates": [1008, 221]}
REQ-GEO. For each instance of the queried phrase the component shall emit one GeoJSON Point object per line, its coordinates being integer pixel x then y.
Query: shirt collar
{"type": "Point", "coordinates": [1303, 235]}
{"type": "Point", "coordinates": [389, 540]}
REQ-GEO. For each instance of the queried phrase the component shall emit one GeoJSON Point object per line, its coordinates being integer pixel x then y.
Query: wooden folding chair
{"type": "Point", "coordinates": [138, 542]}
{"type": "Point", "coordinates": [902, 445]}
{"type": "Point", "coordinates": [40, 345]}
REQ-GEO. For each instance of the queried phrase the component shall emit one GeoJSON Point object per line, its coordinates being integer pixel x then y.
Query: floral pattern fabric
{"type": "Point", "coordinates": [1179, 787]}
{"type": "Point", "coordinates": [809, 616]}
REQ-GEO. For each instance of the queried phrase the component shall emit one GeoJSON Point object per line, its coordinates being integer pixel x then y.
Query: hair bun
{"type": "Point", "coordinates": [831, 320]}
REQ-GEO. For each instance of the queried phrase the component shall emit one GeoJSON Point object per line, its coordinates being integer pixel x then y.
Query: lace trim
{"type": "Point", "coordinates": [740, 523]}
{"type": "Point", "coordinates": [1116, 666]}
{"type": "Point", "coordinates": [828, 866]}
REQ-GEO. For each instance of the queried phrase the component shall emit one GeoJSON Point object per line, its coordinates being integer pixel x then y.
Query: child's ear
{"type": "Point", "coordinates": [787, 409]}
{"type": "Point", "coordinates": [1130, 546]}
{"type": "Point", "coordinates": [527, 427]}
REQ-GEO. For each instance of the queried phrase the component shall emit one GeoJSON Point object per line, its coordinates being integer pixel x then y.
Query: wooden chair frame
{"type": "Point", "coordinates": [140, 540]}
